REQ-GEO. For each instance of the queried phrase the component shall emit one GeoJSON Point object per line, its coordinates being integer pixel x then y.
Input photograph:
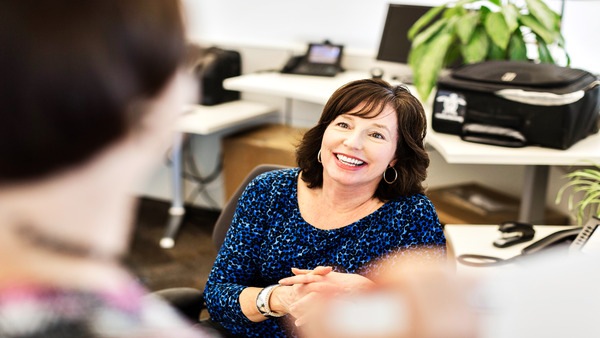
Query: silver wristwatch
{"type": "Point", "coordinates": [262, 302]}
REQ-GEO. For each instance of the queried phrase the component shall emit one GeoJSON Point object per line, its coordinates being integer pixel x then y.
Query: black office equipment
{"type": "Point", "coordinates": [321, 59]}
{"type": "Point", "coordinates": [394, 45]}
{"type": "Point", "coordinates": [212, 67]}
{"type": "Point", "coordinates": [514, 233]}
{"type": "Point", "coordinates": [518, 103]}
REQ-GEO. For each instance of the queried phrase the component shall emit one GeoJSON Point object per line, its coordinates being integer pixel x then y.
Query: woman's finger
{"type": "Point", "coordinates": [319, 270]}
{"type": "Point", "coordinates": [297, 271]}
{"type": "Point", "coordinates": [322, 270]}
{"type": "Point", "coordinates": [302, 309]}
{"type": "Point", "coordinates": [301, 279]}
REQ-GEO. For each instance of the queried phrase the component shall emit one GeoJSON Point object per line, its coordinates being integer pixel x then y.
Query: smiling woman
{"type": "Point", "coordinates": [368, 100]}
{"type": "Point", "coordinates": [300, 233]}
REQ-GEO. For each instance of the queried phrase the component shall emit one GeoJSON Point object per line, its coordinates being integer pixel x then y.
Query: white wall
{"type": "Point", "coordinates": [355, 23]}
{"type": "Point", "coordinates": [267, 32]}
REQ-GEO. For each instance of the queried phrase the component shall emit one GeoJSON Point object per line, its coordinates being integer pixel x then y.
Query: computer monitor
{"type": "Point", "coordinates": [394, 45]}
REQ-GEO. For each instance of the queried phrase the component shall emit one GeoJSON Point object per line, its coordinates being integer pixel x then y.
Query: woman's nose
{"type": "Point", "coordinates": [354, 140]}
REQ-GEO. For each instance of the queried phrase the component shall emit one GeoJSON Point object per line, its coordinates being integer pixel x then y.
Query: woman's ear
{"type": "Point", "coordinates": [393, 162]}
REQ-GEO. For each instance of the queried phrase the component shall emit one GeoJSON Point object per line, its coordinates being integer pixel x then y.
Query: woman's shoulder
{"type": "Point", "coordinates": [281, 182]}
{"type": "Point", "coordinates": [415, 200]}
{"type": "Point", "coordinates": [282, 177]}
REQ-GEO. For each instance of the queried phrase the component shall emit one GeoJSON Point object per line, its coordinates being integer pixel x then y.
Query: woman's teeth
{"type": "Point", "coordinates": [349, 161]}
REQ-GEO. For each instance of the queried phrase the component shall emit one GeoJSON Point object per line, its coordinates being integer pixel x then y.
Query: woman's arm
{"type": "Point", "coordinates": [233, 284]}
{"type": "Point", "coordinates": [229, 297]}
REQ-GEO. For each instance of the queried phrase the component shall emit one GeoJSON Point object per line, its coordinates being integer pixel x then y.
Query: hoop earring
{"type": "Point", "coordinates": [319, 156]}
{"type": "Point", "coordinates": [395, 177]}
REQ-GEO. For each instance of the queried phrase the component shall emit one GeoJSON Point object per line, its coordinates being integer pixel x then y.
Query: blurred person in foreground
{"type": "Point", "coordinates": [88, 95]}
{"type": "Point", "coordinates": [550, 295]}
{"type": "Point", "coordinates": [356, 196]}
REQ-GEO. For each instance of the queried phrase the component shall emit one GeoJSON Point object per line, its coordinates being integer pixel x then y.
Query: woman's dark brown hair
{"type": "Point", "coordinates": [71, 71]}
{"type": "Point", "coordinates": [375, 95]}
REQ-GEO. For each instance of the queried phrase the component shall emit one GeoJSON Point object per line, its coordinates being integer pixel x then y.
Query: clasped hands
{"type": "Point", "coordinates": [301, 293]}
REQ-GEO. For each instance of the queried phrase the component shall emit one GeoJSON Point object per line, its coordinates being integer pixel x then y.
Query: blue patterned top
{"type": "Point", "coordinates": [268, 237]}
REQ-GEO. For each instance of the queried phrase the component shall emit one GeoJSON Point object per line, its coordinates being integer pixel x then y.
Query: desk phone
{"type": "Point", "coordinates": [321, 59]}
{"type": "Point", "coordinates": [588, 240]}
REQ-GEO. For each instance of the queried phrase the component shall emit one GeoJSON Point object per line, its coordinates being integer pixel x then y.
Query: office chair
{"type": "Point", "coordinates": [190, 301]}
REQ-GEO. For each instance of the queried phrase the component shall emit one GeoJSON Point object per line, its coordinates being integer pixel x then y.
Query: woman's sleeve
{"type": "Point", "coordinates": [236, 265]}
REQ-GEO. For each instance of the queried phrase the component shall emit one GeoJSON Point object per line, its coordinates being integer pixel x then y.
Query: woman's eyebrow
{"type": "Point", "coordinates": [382, 126]}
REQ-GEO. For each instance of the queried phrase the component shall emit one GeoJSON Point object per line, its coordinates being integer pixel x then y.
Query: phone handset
{"type": "Point", "coordinates": [292, 64]}
{"type": "Point", "coordinates": [556, 238]}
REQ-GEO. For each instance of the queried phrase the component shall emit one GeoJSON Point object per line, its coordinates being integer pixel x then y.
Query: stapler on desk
{"type": "Point", "coordinates": [514, 233]}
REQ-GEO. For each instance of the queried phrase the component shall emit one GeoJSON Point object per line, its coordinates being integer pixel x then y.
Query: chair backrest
{"type": "Point", "coordinates": [224, 220]}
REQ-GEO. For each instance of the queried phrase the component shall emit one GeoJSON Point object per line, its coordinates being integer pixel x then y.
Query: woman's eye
{"type": "Point", "coordinates": [378, 136]}
{"type": "Point", "coordinates": [342, 124]}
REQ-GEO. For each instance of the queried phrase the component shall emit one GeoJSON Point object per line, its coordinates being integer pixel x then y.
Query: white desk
{"type": "Point", "coordinates": [478, 239]}
{"type": "Point", "coordinates": [206, 120]}
{"type": "Point", "coordinates": [317, 89]}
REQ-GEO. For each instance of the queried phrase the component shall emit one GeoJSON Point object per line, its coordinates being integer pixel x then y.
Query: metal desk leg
{"type": "Point", "coordinates": [177, 211]}
{"type": "Point", "coordinates": [287, 112]}
{"type": "Point", "coordinates": [533, 201]}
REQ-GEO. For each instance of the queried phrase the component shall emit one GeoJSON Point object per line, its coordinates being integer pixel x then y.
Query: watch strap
{"type": "Point", "coordinates": [262, 301]}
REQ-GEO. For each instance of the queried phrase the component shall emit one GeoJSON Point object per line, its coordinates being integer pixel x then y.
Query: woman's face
{"type": "Point", "coordinates": [356, 151]}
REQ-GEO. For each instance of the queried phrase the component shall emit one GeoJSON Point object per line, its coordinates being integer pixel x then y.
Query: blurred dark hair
{"type": "Point", "coordinates": [412, 159]}
{"type": "Point", "coordinates": [71, 71]}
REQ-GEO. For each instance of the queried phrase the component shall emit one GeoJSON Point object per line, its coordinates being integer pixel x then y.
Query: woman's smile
{"type": "Point", "coordinates": [347, 160]}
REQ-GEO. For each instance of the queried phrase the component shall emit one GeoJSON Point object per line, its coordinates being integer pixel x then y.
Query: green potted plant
{"type": "Point", "coordinates": [479, 30]}
{"type": "Point", "coordinates": [583, 184]}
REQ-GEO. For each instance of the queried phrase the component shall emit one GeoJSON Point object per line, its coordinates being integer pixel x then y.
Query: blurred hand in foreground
{"type": "Point", "coordinates": [413, 297]}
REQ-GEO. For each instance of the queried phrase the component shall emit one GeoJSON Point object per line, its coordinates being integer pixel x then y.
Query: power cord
{"type": "Point", "coordinates": [482, 260]}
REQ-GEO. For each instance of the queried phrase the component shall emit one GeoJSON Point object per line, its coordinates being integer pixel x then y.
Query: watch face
{"type": "Point", "coordinates": [376, 73]}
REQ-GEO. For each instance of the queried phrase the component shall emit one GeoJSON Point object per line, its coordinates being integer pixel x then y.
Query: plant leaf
{"type": "Point", "coordinates": [484, 10]}
{"type": "Point", "coordinates": [428, 33]}
{"type": "Point", "coordinates": [477, 49]}
{"type": "Point", "coordinates": [495, 53]}
{"type": "Point", "coordinates": [537, 28]}
{"type": "Point", "coordinates": [592, 197]}
{"type": "Point", "coordinates": [586, 182]}
{"type": "Point", "coordinates": [511, 13]}
{"type": "Point", "coordinates": [452, 54]}
{"type": "Point", "coordinates": [590, 174]}
{"type": "Point", "coordinates": [517, 50]}
{"type": "Point", "coordinates": [424, 21]}
{"type": "Point", "coordinates": [497, 29]}
{"type": "Point", "coordinates": [547, 17]}
{"type": "Point", "coordinates": [544, 53]}
{"type": "Point", "coordinates": [466, 26]}
{"type": "Point", "coordinates": [426, 62]}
